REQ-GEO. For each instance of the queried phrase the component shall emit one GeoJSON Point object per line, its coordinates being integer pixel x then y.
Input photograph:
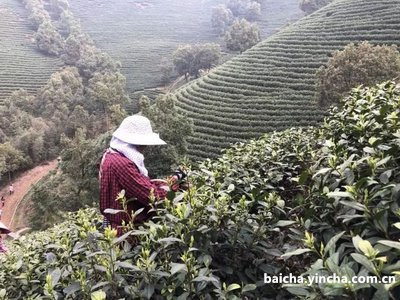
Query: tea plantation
{"type": "Point", "coordinates": [22, 65]}
{"type": "Point", "coordinates": [302, 202]}
{"type": "Point", "coordinates": [140, 33]}
{"type": "Point", "coordinates": [272, 86]}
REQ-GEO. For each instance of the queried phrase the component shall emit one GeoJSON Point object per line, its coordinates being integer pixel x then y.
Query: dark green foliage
{"type": "Point", "coordinates": [272, 86]}
{"type": "Point", "coordinates": [363, 64]}
{"type": "Point", "coordinates": [88, 94]}
{"type": "Point", "coordinates": [354, 191]}
{"type": "Point", "coordinates": [80, 159]}
{"type": "Point", "coordinates": [37, 14]}
{"type": "Point", "coordinates": [166, 70]}
{"type": "Point", "coordinates": [221, 18]}
{"type": "Point", "coordinates": [74, 185]}
{"type": "Point", "coordinates": [300, 201]}
{"type": "Point", "coordinates": [53, 195]}
{"type": "Point", "coordinates": [242, 35]}
{"type": "Point", "coordinates": [64, 88]}
{"type": "Point", "coordinates": [48, 39]}
{"type": "Point", "coordinates": [174, 129]}
{"type": "Point", "coordinates": [251, 10]}
{"type": "Point", "coordinates": [105, 90]}
{"type": "Point", "coordinates": [190, 59]}
{"type": "Point", "coordinates": [309, 6]}
{"type": "Point", "coordinates": [11, 159]}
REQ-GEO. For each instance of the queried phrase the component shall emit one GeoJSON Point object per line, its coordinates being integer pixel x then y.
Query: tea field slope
{"type": "Point", "coordinates": [140, 33]}
{"type": "Point", "coordinates": [272, 86]}
{"type": "Point", "coordinates": [21, 64]}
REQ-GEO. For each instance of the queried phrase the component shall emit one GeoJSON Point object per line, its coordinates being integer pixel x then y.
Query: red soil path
{"type": "Point", "coordinates": [22, 185]}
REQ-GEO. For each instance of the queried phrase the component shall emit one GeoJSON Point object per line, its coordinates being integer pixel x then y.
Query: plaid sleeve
{"type": "Point", "coordinates": [135, 184]}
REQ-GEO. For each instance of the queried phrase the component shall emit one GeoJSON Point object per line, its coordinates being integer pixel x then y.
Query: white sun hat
{"type": "Point", "coordinates": [4, 229]}
{"type": "Point", "coordinates": [136, 130]}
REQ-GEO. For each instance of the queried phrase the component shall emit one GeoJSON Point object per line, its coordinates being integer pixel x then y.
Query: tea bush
{"type": "Point", "coordinates": [234, 100]}
{"type": "Point", "coordinates": [301, 201]}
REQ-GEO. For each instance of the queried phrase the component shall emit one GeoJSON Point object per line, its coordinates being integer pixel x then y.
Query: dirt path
{"type": "Point", "coordinates": [22, 185]}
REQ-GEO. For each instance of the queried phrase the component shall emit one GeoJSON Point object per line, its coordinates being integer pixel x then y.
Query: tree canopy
{"type": "Point", "coordinates": [173, 129]}
{"type": "Point", "coordinates": [356, 65]}
{"type": "Point", "coordinates": [242, 35]}
{"type": "Point", "coordinates": [190, 59]}
{"type": "Point", "coordinates": [221, 18]}
{"type": "Point", "coordinates": [309, 6]}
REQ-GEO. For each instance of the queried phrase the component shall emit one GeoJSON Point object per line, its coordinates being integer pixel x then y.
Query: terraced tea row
{"type": "Point", "coordinates": [22, 66]}
{"type": "Point", "coordinates": [272, 86]}
{"type": "Point", "coordinates": [140, 33]}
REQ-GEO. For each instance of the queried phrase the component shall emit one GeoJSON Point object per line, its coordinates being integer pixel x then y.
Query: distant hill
{"type": "Point", "coordinates": [21, 64]}
{"type": "Point", "coordinates": [272, 86]}
{"type": "Point", "coordinates": [139, 33]}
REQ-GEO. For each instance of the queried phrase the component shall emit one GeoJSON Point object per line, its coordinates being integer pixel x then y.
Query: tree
{"type": "Point", "coordinates": [37, 13]}
{"type": "Point", "coordinates": [242, 35]}
{"type": "Point", "coordinates": [72, 50]}
{"type": "Point", "coordinates": [206, 56]}
{"type": "Point", "coordinates": [251, 10]}
{"type": "Point", "coordinates": [166, 69]}
{"type": "Point", "coordinates": [94, 61]}
{"type": "Point", "coordinates": [11, 159]}
{"type": "Point", "coordinates": [64, 88]}
{"type": "Point", "coordinates": [172, 127]}
{"type": "Point", "coordinates": [355, 65]}
{"type": "Point", "coordinates": [13, 121]}
{"type": "Point", "coordinates": [79, 160]}
{"type": "Point", "coordinates": [221, 18]}
{"type": "Point", "coordinates": [309, 6]}
{"type": "Point", "coordinates": [59, 6]}
{"type": "Point", "coordinates": [23, 100]}
{"type": "Point", "coordinates": [189, 60]}
{"type": "Point", "coordinates": [31, 141]}
{"type": "Point", "coordinates": [105, 90]}
{"type": "Point", "coordinates": [48, 39]}
{"type": "Point", "coordinates": [183, 59]}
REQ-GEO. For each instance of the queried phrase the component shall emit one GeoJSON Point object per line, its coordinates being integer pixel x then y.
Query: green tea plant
{"type": "Point", "coordinates": [303, 201]}
{"type": "Point", "coordinates": [354, 209]}
{"type": "Point", "coordinates": [234, 100]}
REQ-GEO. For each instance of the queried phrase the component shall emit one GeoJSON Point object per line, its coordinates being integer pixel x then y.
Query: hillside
{"type": "Point", "coordinates": [140, 33]}
{"type": "Point", "coordinates": [278, 205]}
{"type": "Point", "coordinates": [22, 65]}
{"type": "Point", "coordinates": [271, 86]}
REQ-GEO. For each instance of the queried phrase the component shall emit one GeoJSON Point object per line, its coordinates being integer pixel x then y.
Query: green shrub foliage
{"type": "Point", "coordinates": [309, 6]}
{"type": "Point", "coordinates": [88, 93]}
{"type": "Point", "coordinates": [242, 35]}
{"type": "Point", "coordinates": [251, 10]}
{"type": "Point", "coordinates": [48, 39]}
{"type": "Point", "coordinates": [301, 201]}
{"type": "Point", "coordinates": [271, 86]}
{"type": "Point", "coordinates": [188, 60]}
{"type": "Point", "coordinates": [365, 64]}
{"type": "Point", "coordinates": [221, 18]}
{"type": "Point", "coordinates": [173, 129]}
{"type": "Point", "coordinates": [74, 185]}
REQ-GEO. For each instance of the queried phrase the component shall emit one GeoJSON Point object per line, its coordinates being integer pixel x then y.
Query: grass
{"type": "Point", "coordinates": [22, 65]}
{"type": "Point", "coordinates": [140, 33]}
{"type": "Point", "coordinates": [272, 86]}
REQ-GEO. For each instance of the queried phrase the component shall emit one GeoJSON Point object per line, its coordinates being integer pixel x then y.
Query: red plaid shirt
{"type": "Point", "coordinates": [119, 173]}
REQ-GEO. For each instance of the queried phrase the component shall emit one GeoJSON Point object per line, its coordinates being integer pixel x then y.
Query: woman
{"type": "Point", "coordinates": [3, 230]}
{"type": "Point", "coordinates": [122, 168]}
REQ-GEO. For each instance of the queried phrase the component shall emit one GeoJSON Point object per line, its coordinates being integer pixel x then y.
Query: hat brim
{"type": "Point", "coordinates": [4, 229]}
{"type": "Point", "coordinates": [137, 139]}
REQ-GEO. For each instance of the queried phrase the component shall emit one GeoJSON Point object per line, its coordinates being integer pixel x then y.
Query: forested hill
{"type": "Point", "coordinates": [140, 33]}
{"type": "Point", "coordinates": [21, 64]}
{"type": "Point", "coordinates": [272, 86]}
